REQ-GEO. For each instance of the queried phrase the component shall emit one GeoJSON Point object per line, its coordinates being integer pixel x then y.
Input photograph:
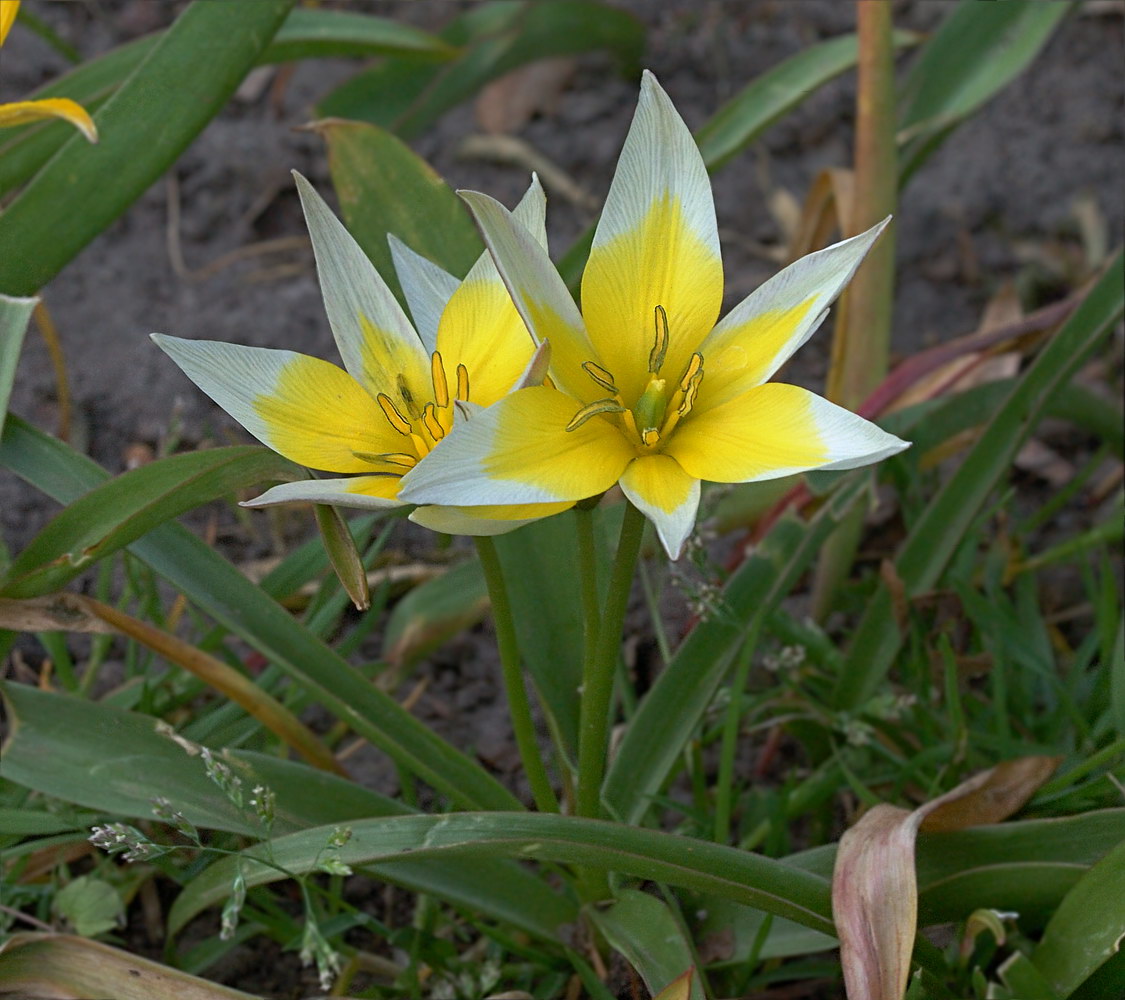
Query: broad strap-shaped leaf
{"type": "Point", "coordinates": [122, 510]}
{"type": "Point", "coordinates": [14, 317]}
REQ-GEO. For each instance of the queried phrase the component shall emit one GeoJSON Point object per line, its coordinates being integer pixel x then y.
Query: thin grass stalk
{"type": "Point", "coordinates": [725, 782]}
{"type": "Point", "coordinates": [518, 704]}
{"type": "Point", "coordinates": [598, 670]}
{"type": "Point", "coordinates": [861, 340]}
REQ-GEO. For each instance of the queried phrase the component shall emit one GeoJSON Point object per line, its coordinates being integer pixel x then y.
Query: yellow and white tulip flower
{"type": "Point", "coordinates": [648, 391]}
{"type": "Point", "coordinates": [400, 391]}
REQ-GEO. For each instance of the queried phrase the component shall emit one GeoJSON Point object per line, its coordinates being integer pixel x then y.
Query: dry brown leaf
{"type": "Point", "coordinates": [508, 103]}
{"type": "Point", "coordinates": [52, 613]}
{"type": "Point", "coordinates": [874, 884]}
{"type": "Point", "coordinates": [64, 967]}
{"type": "Point", "coordinates": [827, 209]}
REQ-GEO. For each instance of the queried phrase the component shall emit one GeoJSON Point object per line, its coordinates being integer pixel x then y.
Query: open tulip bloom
{"type": "Point", "coordinates": [648, 391]}
{"type": "Point", "coordinates": [401, 391]}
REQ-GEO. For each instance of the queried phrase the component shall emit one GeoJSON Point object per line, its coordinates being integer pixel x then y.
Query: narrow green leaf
{"type": "Point", "coordinates": [979, 49]}
{"type": "Point", "coordinates": [152, 118]}
{"type": "Point", "coordinates": [776, 92]}
{"type": "Point", "coordinates": [541, 563]}
{"type": "Point", "coordinates": [305, 34]}
{"type": "Point", "coordinates": [1087, 928]}
{"type": "Point", "coordinates": [116, 762]}
{"type": "Point", "coordinates": [33, 823]}
{"type": "Point", "coordinates": [673, 707]}
{"type": "Point", "coordinates": [649, 854]}
{"type": "Point", "coordinates": [496, 38]}
{"type": "Point", "coordinates": [15, 314]}
{"type": "Point", "coordinates": [935, 536]}
{"type": "Point", "coordinates": [309, 33]}
{"type": "Point", "coordinates": [221, 591]}
{"type": "Point", "coordinates": [110, 517]}
{"type": "Point", "coordinates": [644, 930]}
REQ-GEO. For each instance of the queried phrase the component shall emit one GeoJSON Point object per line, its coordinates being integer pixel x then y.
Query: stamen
{"type": "Point", "coordinates": [660, 344]}
{"type": "Point", "coordinates": [394, 418]}
{"type": "Point", "coordinates": [650, 437]}
{"type": "Point", "coordinates": [463, 383]}
{"type": "Point", "coordinates": [694, 367]}
{"type": "Point", "coordinates": [592, 410]}
{"type": "Point", "coordinates": [390, 458]}
{"type": "Point", "coordinates": [431, 423]}
{"type": "Point", "coordinates": [600, 375]}
{"type": "Point", "coordinates": [407, 396]}
{"type": "Point", "coordinates": [689, 396]}
{"type": "Point", "coordinates": [441, 386]}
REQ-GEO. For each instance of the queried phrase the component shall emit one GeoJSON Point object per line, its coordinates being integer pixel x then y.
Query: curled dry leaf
{"type": "Point", "coordinates": [52, 613]}
{"type": "Point", "coordinates": [874, 884]}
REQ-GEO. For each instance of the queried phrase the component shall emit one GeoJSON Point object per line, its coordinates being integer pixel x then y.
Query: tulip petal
{"type": "Point", "coordinates": [666, 495]}
{"type": "Point", "coordinates": [519, 451]}
{"type": "Point", "coordinates": [364, 492]}
{"type": "Point", "coordinates": [376, 341]}
{"type": "Point", "coordinates": [776, 430]}
{"type": "Point", "coordinates": [486, 520]}
{"type": "Point", "coordinates": [310, 411]}
{"type": "Point", "coordinates": [8, 11]}
{"type": "Point", "coordinates": [538, 293]}
{"type": "Point", "coordinates": [426, 286]}
{"type": "Point", "coordinates": [656, 244]}
{"type": "Point", "coordinates": [761, 333]}
{"type": "Point", "coordinates": [25, 112]}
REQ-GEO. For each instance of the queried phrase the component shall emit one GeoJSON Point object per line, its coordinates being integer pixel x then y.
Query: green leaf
{"type": "Point", "coordinates": [221, 591]}
{"type": "Point", "coordinates": [979, 49]}
{"type": "Point", "coordinates": [496, 38]}
{"type": "Point", "coordinates": [317, 34]}
{"type": "Point", "coordinates": [151, 119]}
{"type": "Point", "coordinates": [547, 607]}
{"type": "Point", "coordinates": [89, 905]}
{"type": "Point", "coordinates": [775, 93]}
{"type": "Point", "coordinates": [116, 762]}
{"type": "Point", "coordinates": [110, 517]}
{"type": "Point", "coordinates": [1088, 927]}
{"type": "Point", "coordinates": [342, 553]}
{"type": "Point", "coordinates": [305, 34]}
{"type": "Point", "coordinates": [433, 612]}
{"type": "Point", "coordinates": [33, 823]}
{"type": "Point", "coordinates": [385, 187]}
{"type": "Point", "coordinates": [14, 317]}
{"type": "Point", "coordinates": [467, 837]}
{"type": "Point", "coordinates": [936, 535]}
{"type": "Point", "coordinates": [644, 930]}
{"type": "Point", "coordinates": [674, 706]}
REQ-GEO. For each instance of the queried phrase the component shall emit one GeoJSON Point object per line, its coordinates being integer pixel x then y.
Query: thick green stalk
{"type": "Point", "coordinates": [861, 340]}
{"type": "Point", "coordinates": [598, 670]}
{"type": "Point", "coordinates": [518, 705]}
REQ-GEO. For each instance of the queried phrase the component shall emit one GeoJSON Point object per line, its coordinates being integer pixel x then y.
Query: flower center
{"type": "Point", "coordinates": [654, 415]}
{"type": "Point", "coordinates": [424, 426]}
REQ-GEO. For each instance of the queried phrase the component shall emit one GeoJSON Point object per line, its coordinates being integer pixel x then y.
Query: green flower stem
{"type": "Point", "coordinates": [588, 565]}
{"type": "Point", "coordinates": [518, 705]}
{"type": "Point", "coordinates": [598, 671]}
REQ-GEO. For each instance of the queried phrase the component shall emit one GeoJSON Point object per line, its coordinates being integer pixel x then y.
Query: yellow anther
{"type": "Point", "coordinates": [690, 393]}
{"type": "Point", "coordinates": [406, 395]}
{"type": "Point", "coordinates": [463, 383]}
{"type": "Point", "coordinates": [600, 375]}
{"type": "Point", "coordinates": [592, 410]}
{"type": "Point", "coordinates": [694, 367]}
{"type": "Point", "coordinates": [660, 343]}
{"type": "Point", "coordinates": [394, 418]}
{"type": "Point", "coordinates": [431, 422]}
{"type": "Point", "coordinates": [400, 459]}
{"type": "Point", "coordinates": [441, 386]}
{"type": "Point", "coordinates": [650, 437]}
